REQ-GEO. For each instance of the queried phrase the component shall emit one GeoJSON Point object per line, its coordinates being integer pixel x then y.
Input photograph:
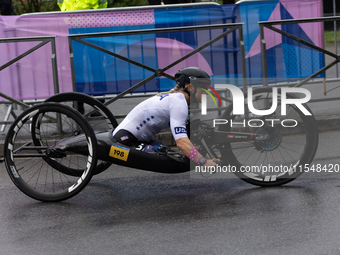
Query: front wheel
{"type": "Point", "coordinates": [283, 145]}
{"type": "Point", "coordinates": [38, 169]}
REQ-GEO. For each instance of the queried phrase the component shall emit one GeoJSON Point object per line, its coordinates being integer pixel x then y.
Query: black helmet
{"type": "Point", "coordinates": [190, 74]}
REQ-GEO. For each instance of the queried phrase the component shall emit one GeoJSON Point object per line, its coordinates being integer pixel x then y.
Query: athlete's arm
{"type": "Point", "coordinates": [185, 146]}
{"type": "Point", "coordinates": [178, 116]}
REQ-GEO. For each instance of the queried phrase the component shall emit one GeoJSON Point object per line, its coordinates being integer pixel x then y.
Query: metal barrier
{"type": "Point", "coordinates": [63, 24]}
{"type": "Point", "coordinates": [44, 40]}
{"type": "Point", "coordinates": [270, 25]}
{"type": "Point", "coordinates": [161, 71]}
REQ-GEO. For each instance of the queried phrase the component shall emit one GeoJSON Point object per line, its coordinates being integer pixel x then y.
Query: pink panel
{"type": "Point", "coordinates": [298, 10]}
{"type": "Point", "coordinates": [31, 77]}
{"type": "Point", "coordinates": [169, 50]}
{"type": "Point", "coordinates": [106, 19]}
{"type": "Point", "coordinates": [272, 39]}
{"type": "Point", "coordinates": [303, 10]}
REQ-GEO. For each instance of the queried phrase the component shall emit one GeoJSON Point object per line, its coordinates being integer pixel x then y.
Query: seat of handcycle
{"type": "Point", "coordinates": [152, 157]}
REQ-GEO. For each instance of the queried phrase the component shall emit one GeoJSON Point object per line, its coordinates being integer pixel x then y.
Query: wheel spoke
{"type": "Point", "coordinates": [49, 176]}
{"type": "Point", "coordinates": [283, 146]}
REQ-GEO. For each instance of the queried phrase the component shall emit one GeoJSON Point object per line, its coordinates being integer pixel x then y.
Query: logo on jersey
{"type": "Point", "coordinates": [162, 96]}
{"type": "Point", "coordinates": [180, 130]}
{"type": "Point", "coordinates": [144, 122]}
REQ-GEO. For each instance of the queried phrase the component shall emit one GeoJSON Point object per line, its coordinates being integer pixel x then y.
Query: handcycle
{"type": "Point", "coordinates": [52, 151]}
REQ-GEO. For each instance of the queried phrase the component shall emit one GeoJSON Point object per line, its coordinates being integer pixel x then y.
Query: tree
{"type": "Point", "coordinates": [229, 1]}
{"type": "Point", "coordinates": [29, 6]}
{"type": "Point", "coordinates": [126, 3]}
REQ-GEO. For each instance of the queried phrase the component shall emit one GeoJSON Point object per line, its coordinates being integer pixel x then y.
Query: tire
{"type": "Point", "coordinates": [279, 159]}
{"type": "Point", "coordinates": [29, 165]}
{"type": "Point", "coordinates": [105, 121]}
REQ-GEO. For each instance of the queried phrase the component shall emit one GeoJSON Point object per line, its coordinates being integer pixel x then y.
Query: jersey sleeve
{"type": "Point", "coordinates": [178, 117]}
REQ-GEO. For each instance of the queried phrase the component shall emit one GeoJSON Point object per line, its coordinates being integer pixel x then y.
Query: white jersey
{"type": "Point", "coordinates": [156, 113]}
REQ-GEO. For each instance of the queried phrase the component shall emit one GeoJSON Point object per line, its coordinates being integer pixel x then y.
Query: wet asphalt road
{"type": "Point", "coordinates": [127, 211]}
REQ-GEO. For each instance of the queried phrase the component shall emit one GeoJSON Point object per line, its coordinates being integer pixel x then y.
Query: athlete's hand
{"type": "Point", "coordinates": [211, 162]}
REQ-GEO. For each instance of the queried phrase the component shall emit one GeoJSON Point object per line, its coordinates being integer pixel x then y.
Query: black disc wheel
{"type": "Point", "coordinates": [39, 170]}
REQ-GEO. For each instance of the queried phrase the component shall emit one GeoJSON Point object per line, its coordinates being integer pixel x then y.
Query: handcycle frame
{"type": "Point", "coordinates": [215, 143]}
{"type": "Point", "coordinates": [175, 161]}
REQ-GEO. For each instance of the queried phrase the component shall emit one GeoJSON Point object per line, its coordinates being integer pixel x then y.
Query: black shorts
{"type": "Point", "coordinates": [125, 137]}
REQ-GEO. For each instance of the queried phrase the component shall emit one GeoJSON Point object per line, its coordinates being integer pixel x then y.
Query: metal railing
{"type": "Point", "coordinates": [161, 71]}
{"type": "Point", "coordinates": [43, 41]}
{"type": "Point", "coordinates": [270, 25]}
{"type": "Point", "coordinates": [229, 28]}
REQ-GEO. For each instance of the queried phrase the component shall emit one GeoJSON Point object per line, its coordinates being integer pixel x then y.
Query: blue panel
{"type": "Point", "coordinates": [178, 17]}
{"type": "Point", "coordinates": [186, 16]}
{"type": "Point", "coordinates": [293, 29]}
{"type": "Point", "coordinates": [251, 13]}
{"type": "Point", "coordinates": [113, 87]}
{"type": "Point", "coordinates": [301, 61]}
{"type": "Point", "coordinates": [100, 73]}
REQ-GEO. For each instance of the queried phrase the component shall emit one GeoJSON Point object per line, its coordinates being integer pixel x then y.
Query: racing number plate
{"type": "Point", "coordinates": [119, 152]}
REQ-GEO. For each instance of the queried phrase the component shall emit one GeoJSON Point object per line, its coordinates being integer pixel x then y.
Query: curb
{"type": "Point", "coordinates": [329, 123]}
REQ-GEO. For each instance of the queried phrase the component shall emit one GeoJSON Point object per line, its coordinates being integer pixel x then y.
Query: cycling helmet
{"type": "Point", "coordinates": [191, 75]}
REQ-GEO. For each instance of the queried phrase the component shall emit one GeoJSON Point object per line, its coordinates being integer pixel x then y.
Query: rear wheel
{"type": "Point", "coordinates": [97, 114]}
{"type": "Point", "coordinates": [39, 170]}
